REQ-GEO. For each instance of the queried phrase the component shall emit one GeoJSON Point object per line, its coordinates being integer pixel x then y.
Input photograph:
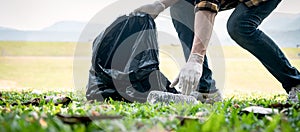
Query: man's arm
{"type": "Point", "coordinates": [191, 73]}
{"type": "Point", "coordinates": [204, 21]}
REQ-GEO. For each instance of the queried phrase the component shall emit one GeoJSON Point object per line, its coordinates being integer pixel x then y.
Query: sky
{"type": "Point", "coordinates": [38, 14]}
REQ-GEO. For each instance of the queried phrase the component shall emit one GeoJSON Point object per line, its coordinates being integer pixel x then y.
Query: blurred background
{"type": "Point", "coordinates": [46, 45]}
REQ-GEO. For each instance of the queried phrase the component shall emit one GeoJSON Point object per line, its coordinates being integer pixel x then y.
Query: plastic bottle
{"type": "Point", "coordinates": [167, 98]}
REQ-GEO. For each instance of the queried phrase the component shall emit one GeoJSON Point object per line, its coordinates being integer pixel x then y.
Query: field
{"type": "Point", "coordinates": [37, 69]}
{"type": "Point", "coordinates": [64, 66]}
{"type": "Point", "coordinates": [115, 116]}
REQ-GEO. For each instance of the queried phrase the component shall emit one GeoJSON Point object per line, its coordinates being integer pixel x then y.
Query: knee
{"type": "Point", "coordinates": [241, 30]}
{"type": "Point", "coordinates": [232, 29]}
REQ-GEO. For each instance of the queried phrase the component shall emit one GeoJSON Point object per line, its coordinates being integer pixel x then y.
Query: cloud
{"type": "Point", "coordinates": [37, 14]}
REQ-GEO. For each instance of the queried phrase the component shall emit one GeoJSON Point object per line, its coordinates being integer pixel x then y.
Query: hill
{"type": "Point", "coordinates": [67, 31]}
{"type": "Point", "coordinates": [283, 28]}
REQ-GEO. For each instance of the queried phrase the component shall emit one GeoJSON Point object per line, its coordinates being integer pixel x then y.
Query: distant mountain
{"type": "Point", "coordinates": [285, 38]}
{"type": "Point", "coordinates": [283, 28]}
{"type": "Point", "coordinates": [6, 29]}
{"type": "Point", "coordinates": [282, 22]}
{"type": "Point", "coordinates": [66, 31]}
{"type": "Point", "coordinates": [66, 26]}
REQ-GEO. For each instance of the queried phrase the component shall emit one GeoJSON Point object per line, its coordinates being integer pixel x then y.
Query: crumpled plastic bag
{"type": "Point", "coordinates": [125, 63]}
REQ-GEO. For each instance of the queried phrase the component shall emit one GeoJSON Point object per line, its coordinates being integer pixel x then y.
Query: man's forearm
{"type": "Point", "coordinates": [204, 21]}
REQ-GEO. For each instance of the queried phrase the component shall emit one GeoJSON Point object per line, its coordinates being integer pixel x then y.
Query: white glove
{"type": "Point", "coordinates": [190, 74]}
{"type": "Point", "coordinates": [152, 9]}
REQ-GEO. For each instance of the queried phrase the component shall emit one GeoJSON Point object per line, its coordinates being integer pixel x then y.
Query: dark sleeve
{"type": "Point", "coordinates": [208, 5]}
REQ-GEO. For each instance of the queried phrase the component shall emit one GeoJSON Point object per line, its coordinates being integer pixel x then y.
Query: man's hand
{"type": "Point", "coordinates": [190, 74]}
{"type": "Point", "coordinates": [152, 9]}
{"type": "Point", "coordinates": [156, 8]}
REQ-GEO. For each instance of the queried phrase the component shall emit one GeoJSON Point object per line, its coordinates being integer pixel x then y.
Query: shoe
{"type": "Point", "coordinates": [293, 95]}
{"type": "Point", "coordinates": [209, 98]}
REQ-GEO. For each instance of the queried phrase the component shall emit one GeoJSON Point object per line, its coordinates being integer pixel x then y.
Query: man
{"type": "Point", "coordinates": [242, 27]}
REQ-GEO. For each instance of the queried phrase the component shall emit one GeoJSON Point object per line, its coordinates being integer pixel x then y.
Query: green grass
{"type": "Point", "coordinates": [8, 48]}
{"type": "Point", "coordinates": [223, 116]}
{"type": "Point", "coordinates": [37, 48]}
{"type": "Point", "coordinates": [44, 66]}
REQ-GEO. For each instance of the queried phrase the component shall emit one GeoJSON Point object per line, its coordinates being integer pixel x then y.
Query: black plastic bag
{"type": "Point", "coordinates": [125, 63]}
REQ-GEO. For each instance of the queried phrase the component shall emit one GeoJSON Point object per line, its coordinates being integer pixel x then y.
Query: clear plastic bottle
{"type": "Point", "coordinates": [165, 97]}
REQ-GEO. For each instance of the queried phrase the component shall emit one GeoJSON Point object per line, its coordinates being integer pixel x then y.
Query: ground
{"type": "Point", "coordinates": [64, 66]}
{"type": "Point", "coordinates": [37, 69]}
{"type": "Point", "coordinates": [223, 116]}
